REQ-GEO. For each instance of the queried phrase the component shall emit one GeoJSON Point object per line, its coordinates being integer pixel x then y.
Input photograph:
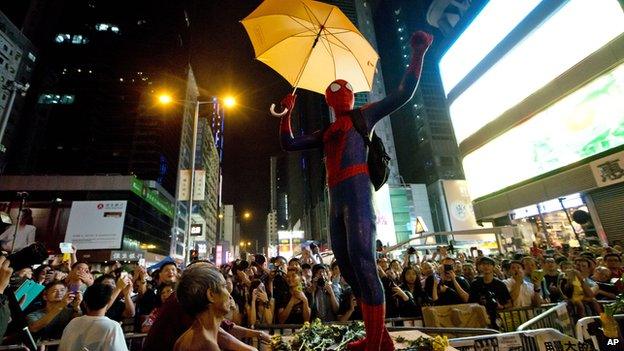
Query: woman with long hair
{"type": "Point", "coordinates": [260, 306]}
{"type": "Point", "coordinates": [410, 285]}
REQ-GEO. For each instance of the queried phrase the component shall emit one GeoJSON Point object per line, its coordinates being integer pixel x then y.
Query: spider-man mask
{"type": "Point", "coordinates": [339, 96]}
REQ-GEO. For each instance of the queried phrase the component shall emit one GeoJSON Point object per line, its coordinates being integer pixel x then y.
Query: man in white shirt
{"type": "Point", "coordinates": [95, 331]}
{"type": "Point", "coordinates": [12, 241]}
{"type": "Point", "coordinates": [523, 293]}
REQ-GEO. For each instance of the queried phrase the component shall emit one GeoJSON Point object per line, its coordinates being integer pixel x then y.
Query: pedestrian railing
{"type": "Point", "coordinates": [448, 332]}
{"type": "Point", "coordinates": [288, 329]}
{"type": "Point", "coordinates": [528, 340]}
{"type": "Point", "coordinates": [510, 319]}
{"type": "Point", "coordinates": [556, 317]}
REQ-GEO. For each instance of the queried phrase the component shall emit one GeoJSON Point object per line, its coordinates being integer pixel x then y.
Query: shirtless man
{"type": "Point", "coordinates": [203, 293]}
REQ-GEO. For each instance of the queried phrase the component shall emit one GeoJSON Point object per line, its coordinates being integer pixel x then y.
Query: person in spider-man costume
{"type": "Point", "coordinates": [352, 217]}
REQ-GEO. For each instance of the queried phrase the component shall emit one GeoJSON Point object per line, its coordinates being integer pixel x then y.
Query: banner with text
{"type": "Point", "coordinates": [96, 224]}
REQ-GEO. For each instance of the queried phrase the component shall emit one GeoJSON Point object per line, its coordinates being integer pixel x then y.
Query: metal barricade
{"type": "Point", "coordinates": [556, 317]}
{"type": "Point", "coordinates": [14, 347]}
{"type": "Point", "coordinates": [448, 332]}
{"type": "Point", "coordinates": [529, 340]}
{"type": "Point", "coordinates": [510, 319]}
{"type": "Point", "coordinates": [288, 329]}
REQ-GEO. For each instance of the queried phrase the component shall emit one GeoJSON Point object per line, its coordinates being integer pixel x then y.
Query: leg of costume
{"type": "Point", "coordinates": [353, 227]}
{"type": "Point", "coordinates": [340, 247]}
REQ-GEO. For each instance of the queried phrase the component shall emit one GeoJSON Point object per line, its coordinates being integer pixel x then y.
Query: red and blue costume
{"type": "Point", "coordinates": [352, 216]}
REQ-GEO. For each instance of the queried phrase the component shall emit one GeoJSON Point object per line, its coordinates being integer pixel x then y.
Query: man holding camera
{"type": "Point", "coordinates": [61, 306]}
{"type": "Point", "coordinates": [324, 303]}
{"type": "Point", "coordinates": [489, 291]}
{"type": "Point", "coordinates": [447, 288]}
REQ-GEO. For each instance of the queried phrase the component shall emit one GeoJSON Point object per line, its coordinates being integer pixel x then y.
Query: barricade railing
{"type": "Point", "coordinates": [448, 332]}
{"type": "Point", "coordinates": [590, 330]}
{"type": "Point", "coordinates": [528, 340]}
{"type": "Point", "coordinates": [510, 319]}
{"type": "Point", "coordinates": [555, 317]}
{"type": "Point", "coordinates": [287, 329]}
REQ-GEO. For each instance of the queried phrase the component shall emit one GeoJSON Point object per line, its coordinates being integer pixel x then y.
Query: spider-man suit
{"type": "Point", "coordinates": [352, 217]}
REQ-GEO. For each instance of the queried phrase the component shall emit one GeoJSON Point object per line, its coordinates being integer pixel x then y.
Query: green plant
{"type": "Point", "coordinates": [318, 336]}
{"type": "Point", "coordinates": [615, 307]}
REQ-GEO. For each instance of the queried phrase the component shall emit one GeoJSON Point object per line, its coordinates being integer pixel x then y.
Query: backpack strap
{"type": "Point", "coordinates": [360, 125]}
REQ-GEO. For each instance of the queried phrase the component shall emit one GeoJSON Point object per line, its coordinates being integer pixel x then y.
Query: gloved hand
{"type": "Point", "coordinates": [421, 41]}
{"type": "Point", "coordinates": [289, 101]}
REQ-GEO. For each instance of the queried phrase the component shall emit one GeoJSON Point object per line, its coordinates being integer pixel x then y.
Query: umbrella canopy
{"type": "Point", "coordinates": [311, 44]}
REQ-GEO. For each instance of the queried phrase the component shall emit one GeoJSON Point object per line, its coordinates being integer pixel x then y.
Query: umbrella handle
{"type": "Point", "coordinates": [277, 114]}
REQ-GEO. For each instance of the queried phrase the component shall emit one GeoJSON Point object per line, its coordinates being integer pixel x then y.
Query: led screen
{"type": "Point", "coordinates": [585, 123]}
{"type": "Point", "coordinates": [547, 52]}
{"type": "Point", "coordinates": [493, 23]}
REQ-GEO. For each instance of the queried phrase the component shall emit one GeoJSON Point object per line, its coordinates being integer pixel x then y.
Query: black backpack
{"type": "Point", "coordinates": [377, 158]}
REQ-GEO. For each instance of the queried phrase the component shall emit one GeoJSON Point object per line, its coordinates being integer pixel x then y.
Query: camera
{"type": "Point", "coordinates": [411, 250]}
{"type": "Point", "coordinates": [448, 267]}
{"type": "Point", "coordinates": [321, 282]}
{"type": "Point", "coordinates": [491, 303]}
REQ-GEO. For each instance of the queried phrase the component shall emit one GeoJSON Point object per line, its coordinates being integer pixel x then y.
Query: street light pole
{"type": "Point", "coordinates": [187, 238]}
{"type": "Point", "coordinates": [166, 99]}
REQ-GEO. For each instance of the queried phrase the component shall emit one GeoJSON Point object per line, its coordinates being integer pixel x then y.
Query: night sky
{"type": "Point", "coordinates": [223, 61]}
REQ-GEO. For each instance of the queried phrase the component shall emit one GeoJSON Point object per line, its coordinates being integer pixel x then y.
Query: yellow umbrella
{"type": "Point", "coordinates": [311, 44]}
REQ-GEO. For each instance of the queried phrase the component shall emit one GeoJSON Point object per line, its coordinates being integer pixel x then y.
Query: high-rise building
{"type": "Point", "coordinates": [94, 110]}
{"type": "Point", "coordinates": [17, 63]}
{"type": "Point", "coordinates": [425, 143]}
{"type": "Point", "coordinates": [231, 232]}
{"type": "Point", "coordinates": [271, 230]}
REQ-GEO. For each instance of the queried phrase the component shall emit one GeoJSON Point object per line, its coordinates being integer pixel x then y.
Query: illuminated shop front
{"type": "Point", "coordinates": [537, 111]}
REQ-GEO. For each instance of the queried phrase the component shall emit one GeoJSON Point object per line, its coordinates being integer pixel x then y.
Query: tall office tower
{"type": "Point", "coordinates": [17, 62]}
{"type": "Point", "coordinates": [101, 63]}
{"type": "Point", "coordinates": [425, 143]}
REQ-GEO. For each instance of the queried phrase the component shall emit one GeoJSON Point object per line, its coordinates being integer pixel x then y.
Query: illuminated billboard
{"type": "Point", "coordinates": [583, 124]}
{"type": "Point", "coordinates": [550, 49]}
{"type": "Point", "coordinates": [494, 22]}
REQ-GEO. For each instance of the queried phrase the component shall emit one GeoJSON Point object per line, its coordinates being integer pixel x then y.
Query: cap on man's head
{"type": "Point", "coordinates": [487, 260]}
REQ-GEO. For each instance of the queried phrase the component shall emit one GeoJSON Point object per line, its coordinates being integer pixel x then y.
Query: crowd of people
{"type": "Point", "coordinates": [91, 308]}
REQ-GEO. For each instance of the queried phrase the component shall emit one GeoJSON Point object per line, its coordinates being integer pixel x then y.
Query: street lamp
{"type": "Point", "coordinates": [166, 99]}
{"type": "Point", "coordinates": [247, 215]}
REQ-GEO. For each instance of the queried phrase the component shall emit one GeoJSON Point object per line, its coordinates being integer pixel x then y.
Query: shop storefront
{"type": "Point", "coordinates": [551, 223]}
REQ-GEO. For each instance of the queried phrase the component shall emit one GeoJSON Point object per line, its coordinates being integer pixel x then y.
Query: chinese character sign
{"type": "Point", "coordinates": [609, 170]}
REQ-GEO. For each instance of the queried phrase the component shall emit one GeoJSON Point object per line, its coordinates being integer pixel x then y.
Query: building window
{"type": "Point", "coordinates": [55, 99]}
{"type": "Point", "coordinates": [106, 27]}
{"type": "Point", "coordinates": [73, 39]}
{"type": "Point", "coordinates": [61, 38]}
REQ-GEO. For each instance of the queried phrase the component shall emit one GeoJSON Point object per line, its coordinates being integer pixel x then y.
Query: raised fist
{"type": "Point", "coordinates": [289, 101]}
{"type": "Point", "coordinates": [421, 40]}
